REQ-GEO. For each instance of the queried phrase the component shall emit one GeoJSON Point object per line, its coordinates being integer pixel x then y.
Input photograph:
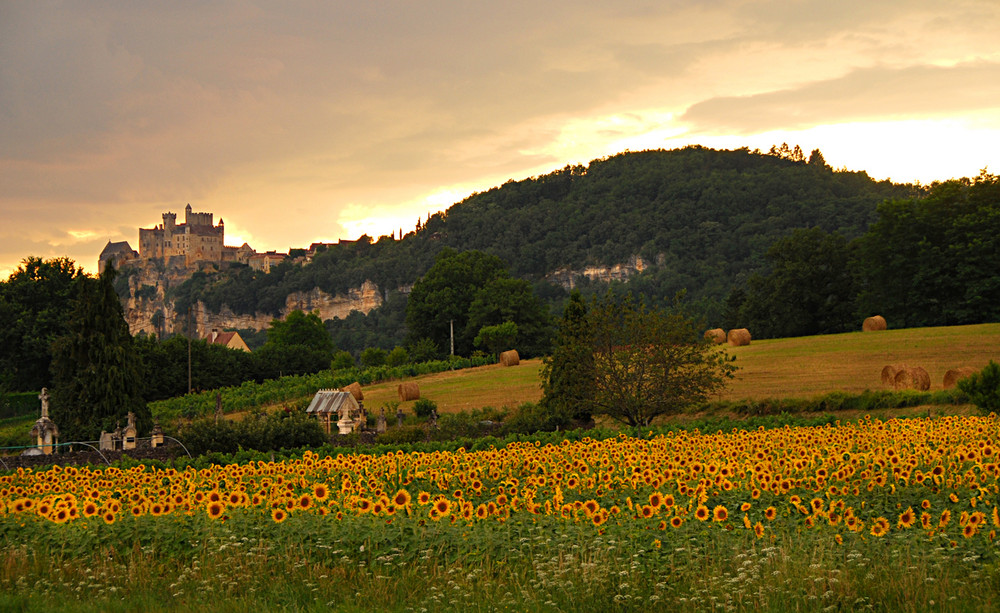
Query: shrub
{"type": "Point", "coordinates": [373, 356]}
{"type": "Point", "coordinates": [424, 407]}
{"type": "Point", "coordinates": [397, 357]}
{"type": "Point", "coordinates": [983, 388]}
{"type": "Point", "coordinates": [342, 360]}
{"type": "Point", "coordinates": [533, 417]}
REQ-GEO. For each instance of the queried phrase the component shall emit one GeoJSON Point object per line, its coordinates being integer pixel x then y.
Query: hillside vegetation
{"type": "Point", "coordinates": [700, 219]}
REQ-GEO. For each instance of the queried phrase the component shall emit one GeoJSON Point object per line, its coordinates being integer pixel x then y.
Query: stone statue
{"type": "Point", "coordinates": [44, 397]}
{"type": "Point", "coordinates": [380, 425]}
{"type": "Point", "coordinates": [400, 416]}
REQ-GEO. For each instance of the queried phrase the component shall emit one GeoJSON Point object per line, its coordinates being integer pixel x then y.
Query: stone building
{"type": "Point", "coordinates": [196, 240]}
{"type": "Point", "coordinates": [116, 254]}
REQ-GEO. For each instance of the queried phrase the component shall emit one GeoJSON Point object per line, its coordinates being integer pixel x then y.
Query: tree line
{"type": "Point", "coordinates": [926, 261]}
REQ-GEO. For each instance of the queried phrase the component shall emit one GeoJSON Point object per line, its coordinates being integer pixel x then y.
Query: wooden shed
{"type": "Point", "coordinates": [335, 406]}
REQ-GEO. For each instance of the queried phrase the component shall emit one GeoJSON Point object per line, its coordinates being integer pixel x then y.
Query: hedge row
{"type": "Point", "coordinates": [251, 395]}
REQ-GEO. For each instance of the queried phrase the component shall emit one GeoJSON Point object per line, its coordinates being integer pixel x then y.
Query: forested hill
{"type": "Point", "coordinates": [702, 219]}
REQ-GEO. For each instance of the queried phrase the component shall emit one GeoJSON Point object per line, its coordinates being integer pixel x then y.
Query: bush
{"type": "Point", "coordinates": [397, 357]}
{"type": "Point", "coordinates": [373, 356]}
{"type": "Point", "coordinates": [342, 360]}
{"type": "Point", "coordinates": [533, 417]}
{"type": "Point", "coordinates": [983, 388]}
{"type": "Point", "coordinates": [278, 430]}
{"type": "Point", "coordinates": [424, 407]}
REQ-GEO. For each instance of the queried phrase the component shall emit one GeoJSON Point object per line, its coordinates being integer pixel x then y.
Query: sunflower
{"type": "Point", "coordinates": [969, 530]}
{"type": "Point", "coordinates": [758, 529]}
{"type": "Point", "coordinates": [655, 500]}
{"type": "Point", "coordinates": [907, 518]}
{"type": "Point", "coordinates": [646, 511]}
{"type": "Point", "coordinates": [676, 522]}
{"type": "Point", "coordinates": [401, 498]}
{"type": "Point", "coordinates": [215, 509]}
{"type": "Point", "coordinates": [945, 518]}
{"type": "Point", "coordinates": [442, 506]}
{"type": "Point", "coordinates": [278, 515]}
{"type": "Point", "coordinates": [880, 526]}
{"type": "Point", "coordinates": [702, 513]}
{"type": "Point", "coordinates": [423, 498]}
{"type": "Point", "coordinates": [108, 517]}
{"type": "Point", "coordinates": [745, 507]}
{"type": "Point", "coordinates": [364, 505]}
{"type": "Point", "coordinates": [720, 513]}
{"type": "Point", "coordinates": [305, 502]}
{"type": "Point", "coordinates": [320, 491]}
{"type": "Point", "coordinates": [89, 509]}
{"type": "Point", "coordinates": [770, 513]}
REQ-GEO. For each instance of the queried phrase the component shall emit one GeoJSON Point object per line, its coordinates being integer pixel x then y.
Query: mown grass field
{"type": "Point", "coordinates": [776, 368]}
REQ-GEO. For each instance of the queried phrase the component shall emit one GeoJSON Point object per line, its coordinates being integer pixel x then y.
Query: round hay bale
{"type": "Point", "coordinates": [716, 335]}
{"type": "Point", "coordinates": [510, 358]}
{"type": "Point", "coordinates": [355, 389]}
{"type": "Point", "coordinates": [873, 324]}
{"type": "Point", "coordinates": [408, 391]}
{"type": "Point", "coordinates": [889, 373]}
{"type": "Point", "coordinates": [739, 337]}
{"type": "Point", "coordinates": [952, 376]}
{"type": "Point", "coordinates": [913, 378]}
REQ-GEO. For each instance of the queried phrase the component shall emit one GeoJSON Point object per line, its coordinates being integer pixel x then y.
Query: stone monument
{"type": "Point", "coordinates": [129, 434]}
{"type": "Point", "coordinates": [45, 431]}
{"type": "Point", "coordinates": [380, 425]}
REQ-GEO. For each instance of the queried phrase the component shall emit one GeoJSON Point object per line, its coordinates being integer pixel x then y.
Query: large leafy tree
{"type": "Point", "coordinates": [810, 289]}
{"type": "Point", "coordinates": [512, 300]}
{"type": "Point", "coordinates": [568, 377]}
{"type": "Point", "coordinates": [649, 362]}
{"type": "Point", "coordinates": [35, 303]}
{"type": "Point", "coordinates": [932, 260]}
{"type": "Point", "coordinates": [442, 298]}
{"type": "Point", "coordinates": [96, 369]}
{"type": "Point", "coordinates": [297, 345]}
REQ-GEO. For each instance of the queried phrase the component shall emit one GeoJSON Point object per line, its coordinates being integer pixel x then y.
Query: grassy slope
{"type": "Point", "coordinates": [778, 368]}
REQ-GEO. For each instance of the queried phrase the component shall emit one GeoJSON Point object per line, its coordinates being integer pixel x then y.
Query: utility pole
{"type": "Point", "coordinates": [189, 347]}
{"type": "Point", "coordinates": [451, 323]}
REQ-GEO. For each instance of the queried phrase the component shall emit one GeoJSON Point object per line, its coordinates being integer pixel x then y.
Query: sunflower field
{"type": "Point", "coordinates": [873, 515]}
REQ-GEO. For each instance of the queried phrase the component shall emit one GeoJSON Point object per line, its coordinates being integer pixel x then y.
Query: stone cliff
{"type": "Point", "coordinates": [149, 310]}
{"type": "Point", "coordinates": [568, 278]}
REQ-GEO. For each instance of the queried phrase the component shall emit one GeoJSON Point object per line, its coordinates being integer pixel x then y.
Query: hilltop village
{"type": "Point", "coordinates": [196, 244]}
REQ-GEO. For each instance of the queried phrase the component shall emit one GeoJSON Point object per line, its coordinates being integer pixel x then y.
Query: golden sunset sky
{"type": "Point", "coordinates": [314, 121]}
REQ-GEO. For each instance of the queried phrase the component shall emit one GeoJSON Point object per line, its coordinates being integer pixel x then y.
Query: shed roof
{"type": "Point", "coordinates": [331, 401]}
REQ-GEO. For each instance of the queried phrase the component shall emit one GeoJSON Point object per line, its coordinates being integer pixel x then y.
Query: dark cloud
{"type": "Point", "coordinates": [862, 95]}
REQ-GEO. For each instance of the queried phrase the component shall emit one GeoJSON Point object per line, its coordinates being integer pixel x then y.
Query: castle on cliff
{"type": "Point", "coordinates": [191, 244]}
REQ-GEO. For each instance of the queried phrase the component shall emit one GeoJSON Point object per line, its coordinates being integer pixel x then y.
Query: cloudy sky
{"type": "Point", "coordinates": [301, 121]}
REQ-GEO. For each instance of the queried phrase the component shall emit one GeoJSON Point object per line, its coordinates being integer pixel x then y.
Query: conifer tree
{"type": "Point", "coordinates": [568, 374]}
{"type": "Point", "coordinates": [95, 367]}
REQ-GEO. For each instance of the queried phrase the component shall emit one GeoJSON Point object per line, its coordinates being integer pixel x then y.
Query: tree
{"type": "Point", "coordinates": [300, 329]}
{"type": "Point", "coordinates": [373, 356]}
{"type": "Point", "coordinates": [96, 369]}
{"type": "Point", "coordinates": [298, 345]}
{"type": "Point", "coordinates": [35, 303]}
{"type": "Point", "coordinates": [512, 300]}
{"type": "Point", "coordinates": [442, 297]}
{"type": "Point", "coordinates": [810, 289]}
{"type": "Point", "coordinates": [568, 377]}
{"type": "Point", "coordinates": [649, 363]}
{"type": "Point", "coordinates": [495, 338]}
{"type": "Point", "coordinates": [983, 388]}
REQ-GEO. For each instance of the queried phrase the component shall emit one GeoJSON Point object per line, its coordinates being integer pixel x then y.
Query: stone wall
{"type": "Point", "coordinates": [163, 453]}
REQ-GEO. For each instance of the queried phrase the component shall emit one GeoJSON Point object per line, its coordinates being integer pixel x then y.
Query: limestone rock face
{"type": "Point", "coordinates": [147, 309]}
{"type": "Point", "coordinates": [619, 272]}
